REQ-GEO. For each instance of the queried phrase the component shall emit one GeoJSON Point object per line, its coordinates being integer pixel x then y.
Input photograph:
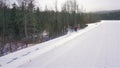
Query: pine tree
{"type": "Point", "coordinates": [13, 26]}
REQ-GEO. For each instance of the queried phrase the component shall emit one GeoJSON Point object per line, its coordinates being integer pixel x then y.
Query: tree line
{"type": "Point", "coordinates": [110, 15]}
{"type": "Point", "coordinates": [25, 23]}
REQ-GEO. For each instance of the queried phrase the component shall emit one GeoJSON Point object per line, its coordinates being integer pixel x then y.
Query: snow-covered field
{"type": "Point", "coordinates": [97, 46]}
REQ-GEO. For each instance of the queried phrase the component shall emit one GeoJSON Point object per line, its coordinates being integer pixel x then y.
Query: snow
{"type": "Point", "coordinates": [96, 46]}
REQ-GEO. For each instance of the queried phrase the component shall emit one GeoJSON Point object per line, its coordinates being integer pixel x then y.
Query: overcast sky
{"type": "Point", "coordinates": [89, 5]}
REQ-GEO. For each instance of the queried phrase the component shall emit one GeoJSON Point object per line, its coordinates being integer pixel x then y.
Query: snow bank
{"type": "Point", "coordinates": [110, 21]}
{"type": "Point", "coordinates": [23, 56]}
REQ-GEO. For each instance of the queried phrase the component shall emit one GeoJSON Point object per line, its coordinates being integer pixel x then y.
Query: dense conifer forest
{"type": "Point", "coordinates": [24, 24]}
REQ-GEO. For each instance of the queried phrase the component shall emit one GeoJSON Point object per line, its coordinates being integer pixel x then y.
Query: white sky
{"type": "Point", "coordinates": [88, 5]}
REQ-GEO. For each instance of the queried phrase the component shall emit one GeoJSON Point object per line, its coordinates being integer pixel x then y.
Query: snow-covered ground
{"type": "Point", "coordinates": [97, 46]}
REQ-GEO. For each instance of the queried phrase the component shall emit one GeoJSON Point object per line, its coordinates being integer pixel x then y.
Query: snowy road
{"type": "Point", "coordinates": [97, 48]}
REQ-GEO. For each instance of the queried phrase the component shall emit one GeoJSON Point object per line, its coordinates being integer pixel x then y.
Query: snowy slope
{"type": "Point", "coordinates": [13, 60]}
{"type": "Point", "coordinates": [96, 46]}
